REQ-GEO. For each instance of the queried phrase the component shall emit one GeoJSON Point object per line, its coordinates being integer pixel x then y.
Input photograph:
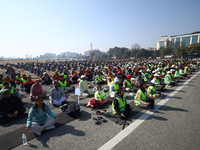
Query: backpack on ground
{"type": "Point", "coordinates": [73, 110]}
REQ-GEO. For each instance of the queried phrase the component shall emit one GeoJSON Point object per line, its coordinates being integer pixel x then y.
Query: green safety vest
{"type": "Point", "coordinates": [99, 78]}
{"type": "Point", "coordinates": [18, 78]}
{"type": "Point", "coordinates": [23, 80]}
{"type": "Point", "coordinates": [129, 84]}
{"type": "Point", "coordinates": [157, 80]}
{"type": "Point", "coordinates": [167, 79]}
{"type": "Point", "coordinates": [116, 86]}
{"type": "Point", "coordinates": [153, 89]}
{"type": "Point", "coordinates": [186, 69]}
{"type": "Point", "coordinates": [99, 96]}
{"type": "Point", "coordinates": [122, 105]}
{"type": "Point", "coordinates": [63, 85]}
{"type": "Point", "coordinates": [79, 80]}
{"type": "Point", "coordinates": [177, 74]}
{"type": "Point", "coordinates": [145, 78]}
{"type": "Point", "coordinates": [64, 75]}
{"type": "Point", "coordinates": [143, 96]}
{"type": "Point", "coordinates": [1, 86]}
{"type": "Point", "coordinates": [11, 91]}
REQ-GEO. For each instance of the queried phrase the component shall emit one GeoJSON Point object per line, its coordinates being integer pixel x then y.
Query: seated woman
{"type": "Point", "coordinates": [141, 99]}
{"type": "Point", "coordinates": [119, 106]}
{"type": "Point", "coordinates": [37, 90]}
{"type": "Point", "coordinates": [99, 98]}
{"type": "Point", "coordinates": [38, 120]}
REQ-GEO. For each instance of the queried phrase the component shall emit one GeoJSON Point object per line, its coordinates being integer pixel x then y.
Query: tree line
{"type": "Point", "coordinates": [137, 52]}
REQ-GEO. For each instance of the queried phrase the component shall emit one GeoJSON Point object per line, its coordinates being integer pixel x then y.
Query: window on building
{"type": "Point", "coordinates": [177, 42]}
{"type": "Point", "coordinates": [162, 43]}
{"type": "Point", "coordinates": [185, 41]}
{"type": "Point", "coordinates": [172, 42]}
{"type": "Point", "coordinates": [194, 39]}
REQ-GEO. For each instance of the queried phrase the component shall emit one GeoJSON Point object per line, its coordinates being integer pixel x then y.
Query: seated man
{"type": "Point", "coordinates": [56, 95]}
{"type": "Point", "coordinates": [65, 75]}
{"type": "Point", "coordinates": [46, 79]}
{"type": "Point", "coordinates": [113, 87]}
{"type": "Point", "coordinates": [10, 107]}
{"type": "Point", "coordinates": [129, 85]}
{"type": "Point", "coordinates": [23, 80]}
{"type": "Point", "coordinates": [151, 91]}
{"type": "Point", "coordinates": [99, 79]}
{"type": "Point", "coordinates": [28, 84]}
{"type": "Point", "coordinates": [63, 85]}
{"type": "Point", "coordinates": [18, 78]}
{"type": "Point", "coordinates": [74, 78]}
{"type": "Point", "coordinates": [83, 85]}
{"type": "Point", "coordinates": [147, 76]}
{"type": "Point", "coordinates": [12, 90]}
{"type": "Point", "coordinates": [37, 90]}
{"type": "Point", "coordinates": [158, 86]}
{"type": "Point", "coordinates": [57, 77]}
{"type": "Point", "coordinates": [11, 81]}
{"type": "Point", "coordinates": [168, 80]}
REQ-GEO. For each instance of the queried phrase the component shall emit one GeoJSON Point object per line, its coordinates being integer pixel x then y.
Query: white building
{"type": "Point", "coordinates": [179, 40]}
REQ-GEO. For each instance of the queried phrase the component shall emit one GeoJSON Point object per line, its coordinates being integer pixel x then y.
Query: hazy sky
{"type": "Point", "coordinates": [35, 27]}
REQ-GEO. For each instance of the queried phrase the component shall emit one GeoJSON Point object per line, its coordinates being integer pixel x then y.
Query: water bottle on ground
{"type": "Point", "coordinates": [24, 140]}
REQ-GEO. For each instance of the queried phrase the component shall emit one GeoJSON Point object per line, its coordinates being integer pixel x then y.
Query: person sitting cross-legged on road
{"type": "Point", "coordinates": [11, 107]}
{"type": "Point", "coordinates": [28, 84]}
{"type": "Point", "coordinates": [6, 85]}
{"type": "Point", "coordinates": [151, 91]}
{"type": "Point", "coordinates": [56, 95]}
{"type": "Point", "coordinates": [141, 99]}
{"type": "Point", "coordinates": [83, 85]}
{"type": "Point", "coordinates": [63, 85]}
{"type": "Point", "coordinates": [99, 98]}
{"type": "Point", "coordinates": [38, 120]}
{"type": "Point", "coordinates": [37, 90]}
{"type": "Point", "coordinates": [119, 106]}
{"type": "Point", "coordinates": [113, 87]}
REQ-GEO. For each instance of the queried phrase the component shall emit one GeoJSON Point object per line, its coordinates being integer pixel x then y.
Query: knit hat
{"type": "Point", "coordinates": [5, 91]}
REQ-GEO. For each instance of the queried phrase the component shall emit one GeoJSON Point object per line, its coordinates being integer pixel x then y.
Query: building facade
{"type": "Point", "coordinates": [179, 40]}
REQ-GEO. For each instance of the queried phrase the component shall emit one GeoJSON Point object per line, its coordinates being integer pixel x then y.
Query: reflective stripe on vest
{"type": "Point", "coordinates": [136, 99]}
{"type": "Point", "coordinates": [157, 80]}
{"type": "Point", "coordinates": [122, 104]}
{"type": "Point", "coordinates": [63, 85]}
{"type": "Point", "coordinates": [116, 86]}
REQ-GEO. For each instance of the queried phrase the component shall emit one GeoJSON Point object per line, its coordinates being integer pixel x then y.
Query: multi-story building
{"type": "Point", "coordinates": [179, 40]}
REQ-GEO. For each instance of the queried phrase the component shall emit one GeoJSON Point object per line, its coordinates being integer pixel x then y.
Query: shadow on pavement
{"type": "Point", "coordinates": [66, 129]}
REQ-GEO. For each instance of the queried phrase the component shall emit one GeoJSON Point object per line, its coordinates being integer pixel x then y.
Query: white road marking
{"type": "Point", "coordinates": [124, 133]}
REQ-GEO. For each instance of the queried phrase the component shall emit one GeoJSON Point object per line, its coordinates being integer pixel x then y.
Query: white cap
{"type": "Point", "coordinates": [156, 75]}
{"type": "Point", "coordinates": [116, 79]}
{"type": "Point", "coordinates": [172, 70]}
{"type": "Point", "coordinates": [83, 76]}
{"type": "Point", "coordinates": [154, 81]}
{"type": "Point", "coordinates": [168, 71]}
{"type": "Point", "coordinates": [133, 79]}
{"type": "Point", "coordinates": [148, 70]}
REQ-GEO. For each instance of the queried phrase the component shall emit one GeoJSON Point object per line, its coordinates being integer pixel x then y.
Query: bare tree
{"type": "Point", "coordinates": [135, 46]}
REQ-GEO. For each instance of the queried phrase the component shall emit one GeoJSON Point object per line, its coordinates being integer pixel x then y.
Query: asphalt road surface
{"type": "Point", "coordinates": [175, 125]}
